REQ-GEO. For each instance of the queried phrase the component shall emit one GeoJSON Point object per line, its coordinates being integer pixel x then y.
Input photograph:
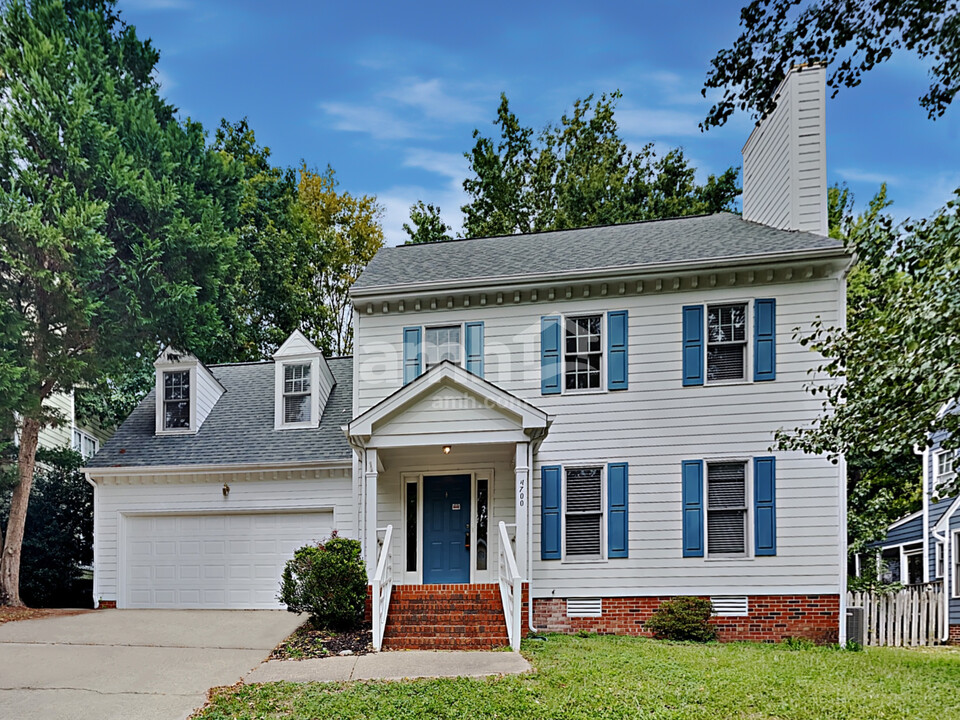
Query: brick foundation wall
{"type": "Point", "coordinates": [954, 635]}
{"type": "Point", "coordinates": [771, 618]}
{"type": "Point", "coordinates": [107, 605]}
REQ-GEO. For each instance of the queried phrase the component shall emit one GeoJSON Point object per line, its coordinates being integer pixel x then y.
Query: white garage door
{"type": "Point", "coordinates": [214, 561]}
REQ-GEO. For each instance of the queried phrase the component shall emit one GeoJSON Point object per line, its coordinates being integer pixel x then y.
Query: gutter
{"type": "Point", "coordinates": [211, 468]}
{"type": "Point", "coordinates": [597, 273]}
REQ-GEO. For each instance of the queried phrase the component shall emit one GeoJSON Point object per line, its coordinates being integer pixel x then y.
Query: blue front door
{"type": "Point", "coordinates": [446, 529]}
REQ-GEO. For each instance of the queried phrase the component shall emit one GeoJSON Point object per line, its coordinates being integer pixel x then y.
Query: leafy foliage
{"type": "Point", "coordinates": [579, 173]}
{"type": "Point", "coordinates": [59, 533]}
{"type": "Point", "coordinates": [851, 37]}
{"type": "Point", "coordinates": [683, 618]}
{"type": "Point", "coordinates": [328, 581]}
{"type": "Point", "coordinates": [343, 233]}
{"type": "Point", "coordinates": [426, 225]}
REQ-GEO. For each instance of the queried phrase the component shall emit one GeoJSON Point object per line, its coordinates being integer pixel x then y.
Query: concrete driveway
{"type": "Point", "coordinates": [142, 664]}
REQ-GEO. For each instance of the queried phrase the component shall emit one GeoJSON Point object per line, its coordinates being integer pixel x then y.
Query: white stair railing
{"type": "Point", "coordinates": [382, 587]}
{"type": "Point", "coordinates": [511, 588]}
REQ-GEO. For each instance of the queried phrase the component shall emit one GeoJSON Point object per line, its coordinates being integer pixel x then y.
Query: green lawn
{"type": "Point", "coordinates": [618, 677]}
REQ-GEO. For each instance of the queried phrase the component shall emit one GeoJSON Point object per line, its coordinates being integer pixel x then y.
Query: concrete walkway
{"type": "Point", "coordinates": [399, 665]}
{"type": "Point", "coordinates": [144, 664]}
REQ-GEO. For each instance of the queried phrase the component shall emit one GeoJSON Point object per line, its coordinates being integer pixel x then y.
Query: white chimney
{"type": "Point", "coordinates": [785, 157]}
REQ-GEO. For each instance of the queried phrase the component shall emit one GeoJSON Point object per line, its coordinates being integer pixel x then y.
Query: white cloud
{"type": "Point", "coordinates": [433, 101]}
{"type": "Point", "coordinates": [376, 121]}
{"type": "Point", "coordinates": [164, 80]}
{"type": "Point", "coordinates": [396, 202]}
{"type": "Point", "coordinates": [865, 176]}
{"type": "Point", "coordinates": [657, 122]}
{"type": "Point", "coordinates": [451, 165]}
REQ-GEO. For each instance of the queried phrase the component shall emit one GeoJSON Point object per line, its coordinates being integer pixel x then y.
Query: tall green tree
{"type": "Point", "coordinates": [116, 219]}
{"type": "Point", "coordinates": [426, 225]}
{"type": "Point", "coordinates": [579, 173]}
{"type": "Point", "coordinates": [851, 37]}
{"type": "Point", "coordinates": [343, 233]}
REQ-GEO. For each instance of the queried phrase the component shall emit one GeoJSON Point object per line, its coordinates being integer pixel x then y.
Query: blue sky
{"type": "Point", "coordinates": [389, 94]}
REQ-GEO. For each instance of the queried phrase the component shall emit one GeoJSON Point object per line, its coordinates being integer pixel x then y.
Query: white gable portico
{"type": "Point", "coordinates": [445, 460]}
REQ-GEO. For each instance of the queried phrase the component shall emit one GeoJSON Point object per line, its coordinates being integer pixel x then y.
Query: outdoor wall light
{"type": "Point", "coordinates": [446, 449]}
{"type": "Point", "coordinates": [226, 489]}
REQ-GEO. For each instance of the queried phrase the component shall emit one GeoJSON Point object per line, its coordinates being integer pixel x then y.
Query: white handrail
{"type": "Point", "coordinates": [511, 588]}
{"type": "Point", "coordinates": [382, 587]}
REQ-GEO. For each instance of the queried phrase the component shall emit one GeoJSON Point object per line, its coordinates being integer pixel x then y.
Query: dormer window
{"type": "Point", "coordinates": [296, 393]}
{"type": "Point", "coordinates": [176, 400]}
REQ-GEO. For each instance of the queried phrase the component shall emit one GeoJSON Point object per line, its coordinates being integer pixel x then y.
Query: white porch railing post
{"type": "Point", "coordinates": [511, 588]}
{"type": "Point", "coordinates": [382, 587]}
{"type": "Point", "coordinates": [370, 494]}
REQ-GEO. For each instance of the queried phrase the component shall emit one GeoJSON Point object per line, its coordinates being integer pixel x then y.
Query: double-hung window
{"type": "Point", "coordinates": [583, 352]}
{"type": "Point", "coordinates": [583, 515]}
{"type": "Point", "coordinates": [727, 509]}
{"type": "Point", "coordinates": [442, 343]}
{"type": "Point", "coordinates": [726, 342]}
{"type": "Point", "coordinates": [946, 460]}
{"type": "Point", "coordinates": [176, 400]}
{"type": "Point", "coordinates": [85, 444]}
{"type": "Point", "coordinates": [956, 563]}
{"type": "Point", "coordinates": [296, 393]}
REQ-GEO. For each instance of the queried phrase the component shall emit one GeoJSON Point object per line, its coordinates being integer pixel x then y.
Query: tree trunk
{"type": "Point", "coordinates": [13, 543]}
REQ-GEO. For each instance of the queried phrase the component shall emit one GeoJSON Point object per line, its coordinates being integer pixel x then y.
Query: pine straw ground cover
{"type": "Point", "coordinates": [621, 677]}
{"type": "Point", "coordinates": [308, 642]}
{"type": "Point", "coordinates": [11, 614]}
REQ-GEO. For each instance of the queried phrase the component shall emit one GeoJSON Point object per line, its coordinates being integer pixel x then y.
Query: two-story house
{"type": "Point", "coordinates": [552, 431]}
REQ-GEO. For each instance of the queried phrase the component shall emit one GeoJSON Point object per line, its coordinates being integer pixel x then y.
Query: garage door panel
{"type": "Point", "coordinates": [214, 561]}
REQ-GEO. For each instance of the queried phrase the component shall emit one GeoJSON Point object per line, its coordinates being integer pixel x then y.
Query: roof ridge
{"type": "Point", "coordinates": [567, 230]}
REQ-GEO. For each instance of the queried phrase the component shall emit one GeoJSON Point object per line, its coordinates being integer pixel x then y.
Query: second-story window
{"type": "Point", "coordinates": [176, 400]}
{"type": "Point", "coordinates": [946, 462]}
{"type": "Point", "coordinates": [85, 444]}
{"type": "Point", "coordinates": [442, 343]}
{"type": "Point", "coordinates": [296, 393]}
{"type": "Point", "coordinates": [583, 352]}
{"type": "Point", "coordinates": [726, 342]}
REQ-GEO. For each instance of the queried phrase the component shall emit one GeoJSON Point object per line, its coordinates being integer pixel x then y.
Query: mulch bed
{"type": "Point", "coordinates": [12, 614]}
{"type": "Point", "coordinates": [308, 642]}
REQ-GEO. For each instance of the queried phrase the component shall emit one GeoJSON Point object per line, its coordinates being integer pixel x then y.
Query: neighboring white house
{"type": "Point", "coordinates": [69, 430]}
{"type": "Point", "coordinates": [584, 418]}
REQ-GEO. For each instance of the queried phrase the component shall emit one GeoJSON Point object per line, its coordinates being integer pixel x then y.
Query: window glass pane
{"type": "Point", "coordinates": [176, 385]}
{"type": "Point", "coordinates": [442, 343]}
{"type": "Point", "coordinates": [89, 446]}
{"type": "Point", "coordinates": [583, 490]}
{"type": "Point", "coordinates": [726, 362]}
{"type": "Point", "coordinates": [411, 527]}
{"type": "Point", "coordinates": [726, 342]}
{"type": "Point", "coordinates": [296, 408]}
{"type": "Point", "coordinates": [176, 414]}
{"type": "Point", "coordinates": [482, 522]}
{"type": "Point", "coordinates": [726, 508]}
{"type": "Point", "coordinates": [890, 566]}
{"type": "Point", "coordinates": [583, 352]}
{"type": "Point", "coordinates": [296, 378]}
{"type": "Point", "coordinates": [584, 513]}
{"type": "Point", "coordinates": [583, 534]}
{"type": "Point", "coordinates": [915, 569]}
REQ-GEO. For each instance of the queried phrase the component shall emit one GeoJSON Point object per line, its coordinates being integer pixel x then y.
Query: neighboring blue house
{"type": "Point", "coordinates": [924, 547]}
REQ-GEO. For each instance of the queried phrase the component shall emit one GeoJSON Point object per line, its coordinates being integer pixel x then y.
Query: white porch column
{"type": "Point", "coordinates": [522, 490]}
{"type": "Point", "coordinates": [370, 490]}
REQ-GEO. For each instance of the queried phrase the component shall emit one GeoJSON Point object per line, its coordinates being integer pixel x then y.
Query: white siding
{"type": "Point", "coordinates": [784, 160]}
{"type": "Point", "coordinates": [178, 494]}
{"type": "Point", "coordinates": [655, 425]}
{"type": "Point", "coordinates": [61, 435]}
{"type": "Point", "coordinates": [448, 410]}
{"type": "Point", "coordinates": [208, 392]}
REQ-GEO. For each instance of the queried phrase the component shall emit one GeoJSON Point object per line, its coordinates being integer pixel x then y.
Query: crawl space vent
{"type": "Point", "coordinates": [584, 607]}
{"type": "Point", "coordinates": [730, 605]}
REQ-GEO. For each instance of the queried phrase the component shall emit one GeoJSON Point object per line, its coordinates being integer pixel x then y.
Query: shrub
{"type": "Point", "coordinates": [328, 581]}
{"type": "Point", "coordinates": [683, 618]}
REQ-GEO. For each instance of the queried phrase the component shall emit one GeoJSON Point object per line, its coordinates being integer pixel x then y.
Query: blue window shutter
{"type": "Point", "coordinates": [473, 347]}
{"type": "Point", "coordinates": [617, 350]}
{"type": "Point", "coordinates": [693, 345]}
{"type": "Point", "coordinates": [412, 353]}
{"type": "Point", "coordinates": [765, 505]}
{"type": "Point", "coordinates": [618, 490]}
{"type": "Point", "coordinates": [550, 512]}
{"type": "Point", "coordinates": [764, 340]}
{"type": "Point", "coordinates": [692, 508]}
{"type": "Point", "coordinates": [550, 355]}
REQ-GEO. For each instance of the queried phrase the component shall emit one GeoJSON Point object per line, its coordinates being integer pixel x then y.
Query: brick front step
{"type": "Point", "coordinates": [445, 617]}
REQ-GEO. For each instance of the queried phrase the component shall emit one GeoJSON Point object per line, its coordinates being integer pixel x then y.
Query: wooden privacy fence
{"type": "Point", "coordinates": [909, 617]}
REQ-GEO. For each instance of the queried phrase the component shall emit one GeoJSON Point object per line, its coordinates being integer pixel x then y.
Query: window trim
{"type": "Point", "coordinates": [955, 570]}
{"type": "Point", "coordinates": [940, 479]}
{"type": "Point", "coordinates": [307, 394]}
{"type": "Point", "coordinates": [747, 342]}
{"type": "Point", "coordinates": [84, 435]}
{"type": "Point", "coordinates": [581, 559]}
{"type": "Point", "coordinates": [279, 395]}
{"type": "Point", "coordinates": [748, 546]}
{"type": "Point", "coordinates": [187, 367]}
{"type": "Point", "coordinates": [938, 564]}
{"type": "Point", "coordinates": [438, 326]}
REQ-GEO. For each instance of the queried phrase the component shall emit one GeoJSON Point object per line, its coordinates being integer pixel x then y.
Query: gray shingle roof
{"type": "Point", "coordinates": [722, 236]}
{"type": "Point", "coordinates": [239, 429]}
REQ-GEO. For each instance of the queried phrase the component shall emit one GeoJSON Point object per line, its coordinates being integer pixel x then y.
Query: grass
{"type": "Point", "coordinates": [620, 677]}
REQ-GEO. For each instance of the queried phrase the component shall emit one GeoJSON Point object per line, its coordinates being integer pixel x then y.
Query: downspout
{"type": "Point", "coordinates": [530, 625]}
{"type": "Point", "coordinates": [96, 575]}
{"type": "Point", "coordinates": [947, 568]}
{"type": "Point", "coordinates": [925, 506]}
